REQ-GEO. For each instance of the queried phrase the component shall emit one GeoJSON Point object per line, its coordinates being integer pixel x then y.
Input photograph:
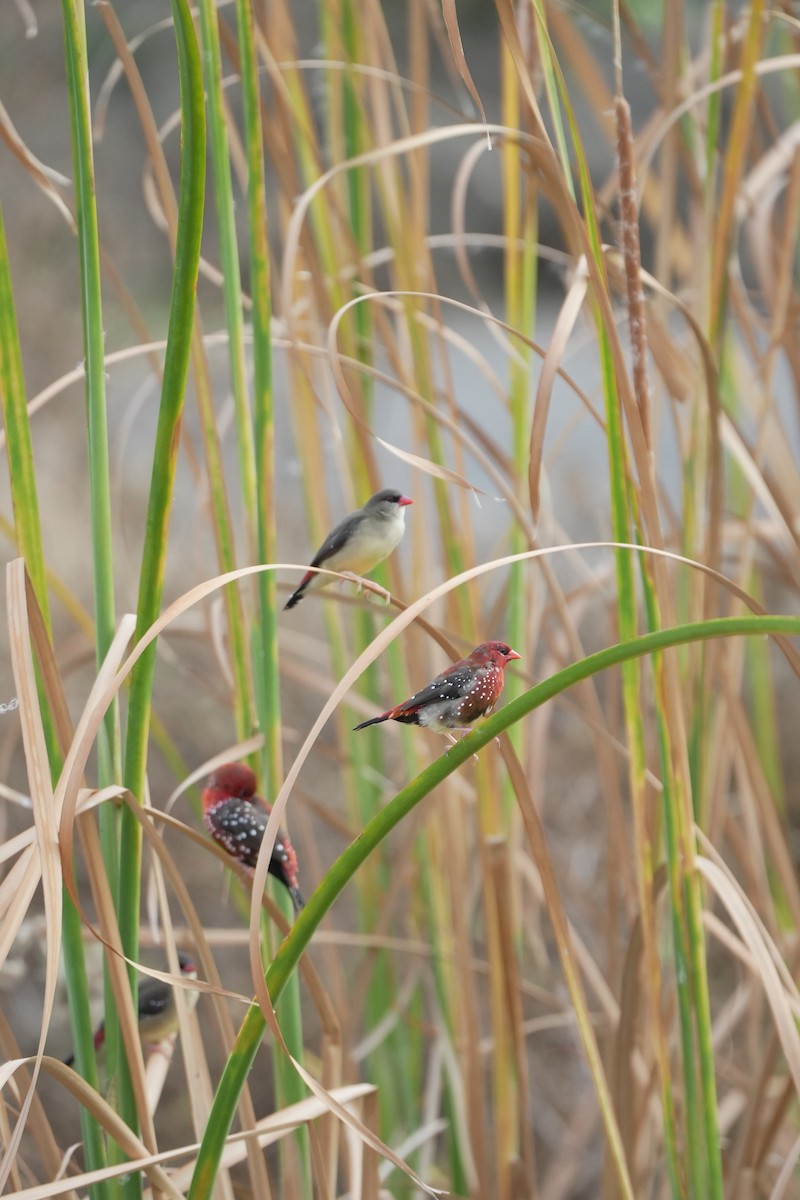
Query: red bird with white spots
{"type": "Point", "coordinates": [236, 818]}
{"type": "Point", "coordinates": [459, 696]}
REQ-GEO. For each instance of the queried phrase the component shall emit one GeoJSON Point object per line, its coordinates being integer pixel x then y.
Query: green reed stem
{"type": "Point", "coordinates": [345, 867]}
{"type": "Point", "coordinates": [262, 512]}
{"type": "Point", "coordinates": [176, 365]}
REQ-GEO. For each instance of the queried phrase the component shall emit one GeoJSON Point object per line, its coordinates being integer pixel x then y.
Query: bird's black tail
{"type": "Point", "coordinates": [297, 898]}
{"type": "Point", "coordinates": [299, 591]}
{"type": "Point", "coordinates": [371, 721]}
{"type": "Point", "coordinates": [99, 1039]}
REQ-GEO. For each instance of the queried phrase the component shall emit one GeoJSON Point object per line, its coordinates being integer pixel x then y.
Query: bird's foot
{"type": "Point", "coordinates": [163, 1049]}
{"type": "Point", "coordinates": [368, 587]}
{"type": "Point", "coordinates": [454, 741]}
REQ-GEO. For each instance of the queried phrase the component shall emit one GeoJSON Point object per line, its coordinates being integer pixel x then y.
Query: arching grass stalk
{"type": "Point", "coordinates": [384, 822]}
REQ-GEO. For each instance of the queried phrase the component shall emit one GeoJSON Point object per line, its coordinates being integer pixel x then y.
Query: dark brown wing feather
{"type": "Point", "coordinates": [239, 827]}
{"type": "Point", "coordinates": [337, 538]}
{"type": "Point", "coordinates": [452, 684]}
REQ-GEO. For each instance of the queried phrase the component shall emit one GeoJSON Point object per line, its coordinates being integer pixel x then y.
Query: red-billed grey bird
{"type": "Point", "coordinates": [359, 542]}
{"type": "Point", "coordinates": [236, 818]}
{"type": "Point", "coordinates": [459, 696]}
{"type": "Point", "coordinates": [156, 1008]}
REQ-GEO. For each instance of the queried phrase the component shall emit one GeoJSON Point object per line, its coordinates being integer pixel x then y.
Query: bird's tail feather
{"type": "Point", "coordinates": [371, 721]}
{"type": "Point", "coordinates": [299, 591]}
{"type": "Point", "coordinates": [297, 898]}
{"type": "Point", "coordinates": [99, 1038]}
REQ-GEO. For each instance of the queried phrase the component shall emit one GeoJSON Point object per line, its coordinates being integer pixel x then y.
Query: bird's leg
{"type": "Point", "coordinates": [454, 741]}
{"type": "Point", "coordinates": [367, 586]}
{"type": "Point", "coordinates": [463, 735]}
{"type": "Point", "coordinates": [165, 1047]}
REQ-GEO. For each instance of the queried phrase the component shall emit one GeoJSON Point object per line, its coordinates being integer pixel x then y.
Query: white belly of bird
{"type": "Point", "coordinates": [441, 717]}
{"type": "Point", "coordinates": [365, 550]}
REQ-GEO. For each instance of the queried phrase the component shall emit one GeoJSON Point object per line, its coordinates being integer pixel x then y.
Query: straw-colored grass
{"type": "Point", "coordinates": [541, 272]}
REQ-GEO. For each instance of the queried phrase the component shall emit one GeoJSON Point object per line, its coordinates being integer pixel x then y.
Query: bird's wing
{"type": "Point", "coordinates": [337, 539]}
{"type": "Point", "coordinates": [450, 685]}
{"type": "Point", "coordinates": [239, 827]}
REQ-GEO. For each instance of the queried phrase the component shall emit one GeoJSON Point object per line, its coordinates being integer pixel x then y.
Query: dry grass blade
{"type": "Point", "coordinates": [271, 1129]}
{"type": "Point", "coordinates": [16, 892]}
{"type": "Point", "coordinates": [778, 64]}
{"type": "Point", "coordinates": [738, 908]}
{"type": "Point", "coordinates": [517, 1141]}
{"type": "Point", "coordinates": [788, 1168]}
{"type": "Point", "coordinates": [198, 1077]}
{"type": "Point", "coordinates": [116, 1128]}
{"type": "Point", "coordinates": [565, 323]}
{"type": "Point", "coordinates": [364, 1132]}
{"type": "Point", "coordinates": [124, 1001]}
{"type": "Point", "coordinates": [561, 930]}
{"type": "Point", "coordinates": [38, 1122]}
{"type": "Point", "coordinates": [46, 178]}
{"type": "Point", "coordinates": [45, 820]}
{"type": "Point", "coordinates": [450, 15]}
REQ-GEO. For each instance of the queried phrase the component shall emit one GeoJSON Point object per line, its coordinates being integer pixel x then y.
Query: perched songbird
{"type": "Point", "coordinates": [359, 542]}
{"type": "Point", "coordinates": [158, 1012]}
{"type": "Point", "coordinates": [459, 696]}
{"type": "Point", "coordinates": [236, 818]}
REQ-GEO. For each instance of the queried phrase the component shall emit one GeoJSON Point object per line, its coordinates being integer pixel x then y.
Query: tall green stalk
{"type": "Point", "coordinates": [28, 532]}
{"type": "Point", "coordinates": [94, 360]}
{"type": "Point", "coordinates": [176, 365]}
{"type": "Point", "coordinates": [262, 510]}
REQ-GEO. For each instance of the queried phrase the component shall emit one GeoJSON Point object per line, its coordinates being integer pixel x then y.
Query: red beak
{"type": "Point", "coordinates": [512, 654]}
{"type": "Point", "coordinates": [404, 500]}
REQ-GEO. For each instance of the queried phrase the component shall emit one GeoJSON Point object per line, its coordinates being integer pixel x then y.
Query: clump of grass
{"type": "Point", "coordinates": [566, 969]}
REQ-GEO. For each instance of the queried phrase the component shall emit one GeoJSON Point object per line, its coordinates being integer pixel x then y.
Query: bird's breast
{"type": "Point", "coordinates": [370, 544]}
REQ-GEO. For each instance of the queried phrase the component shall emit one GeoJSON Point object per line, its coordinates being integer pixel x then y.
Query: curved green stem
{"type": "Point", "coordinates": [381, 825]}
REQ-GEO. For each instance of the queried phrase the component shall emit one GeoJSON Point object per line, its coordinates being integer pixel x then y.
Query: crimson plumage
{"type": "Point", "coordinates": [464, 692]}
{"type": "Point", "coordinates": [156, 1008]}
{"type": "Point", "coordinates": [236, 818]}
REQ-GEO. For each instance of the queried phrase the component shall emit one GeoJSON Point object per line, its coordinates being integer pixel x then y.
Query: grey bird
{"type": "Point", "coordinates": [359, 542]}
{"type": "Point", "coordinates": [156, 1007]}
